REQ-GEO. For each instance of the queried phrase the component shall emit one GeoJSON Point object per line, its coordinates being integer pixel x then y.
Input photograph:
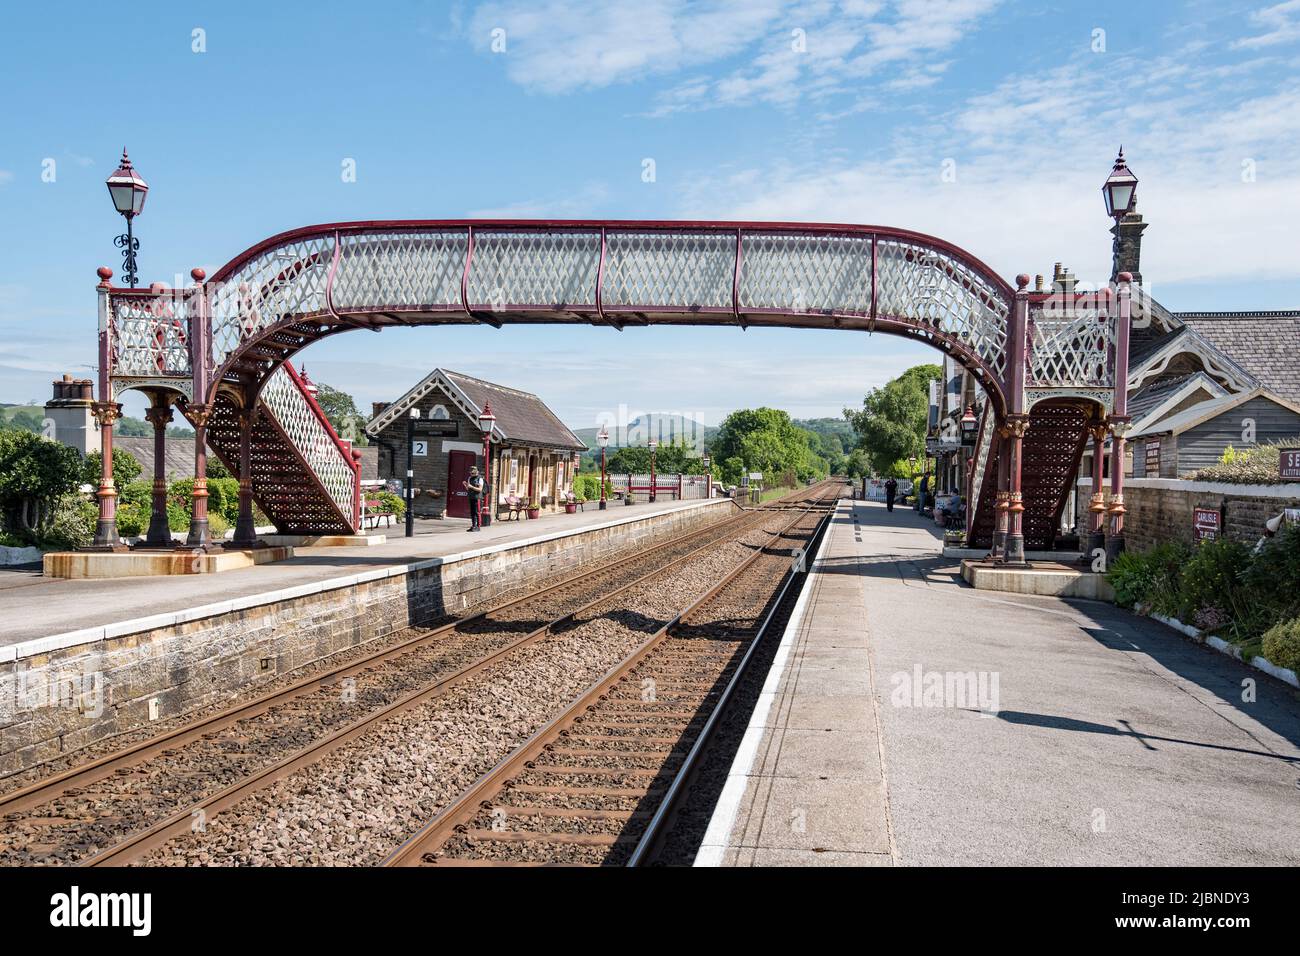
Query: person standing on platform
{"type": "Point", "coordinates": [891, 489]}
{"type": "Point", "coordinates": [474, 485]}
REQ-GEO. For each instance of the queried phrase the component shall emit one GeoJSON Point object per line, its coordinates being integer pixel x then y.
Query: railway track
{"type": "Point", "coordinates": [596, 784]}
{"type": "Point", "coordinates": [118, 808]}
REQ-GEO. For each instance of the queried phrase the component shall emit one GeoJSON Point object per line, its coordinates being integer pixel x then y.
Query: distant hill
{"type": "Point", "coordinates": [837, 428]}
{"type": "Point", "coordinates": [664, 428]}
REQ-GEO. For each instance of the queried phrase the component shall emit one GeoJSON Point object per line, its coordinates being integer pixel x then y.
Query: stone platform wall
{"type": "Point", "coordinates": [60, 700]}
{"type": "Point", "coordinates": [1160, 509]}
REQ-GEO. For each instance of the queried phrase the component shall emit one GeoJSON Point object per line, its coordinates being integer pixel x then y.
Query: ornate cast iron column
{"type": "Point", "coordinates": [245, 528]}
{"type": "Point", "coordinates": [198, 536]}
{"type": "Point", "coordinates": [1017, 425]}
{"type": "Point", "coordinates": [1097, 505]}
{"type": "Point", "coordinates": [106, 538]}
{"type": "Point", "coordinates": [159, 414]}
{"type": "Point", "coordinates": [1120, 423]}
{"type": "Point", "coordinates": [1003, 495]}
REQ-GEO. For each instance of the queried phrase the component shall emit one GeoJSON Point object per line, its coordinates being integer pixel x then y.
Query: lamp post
{"type": "Point", "coordinates": [411, 419]}
{"type": "Point", "coordinates": [1120, 190]}
{"type": "Point", "coordinates": [602, 440]}
{"type": "Point", "coordinates": [653, 444]}
{"type": "Point", "coordinates": [708, 476]}
{"type": "Point", "coordinates": [486, 421]}
{"type": "Point", "coordinates": [127, 189]}
{"type": "Point", "coordinates": [1120, 193]}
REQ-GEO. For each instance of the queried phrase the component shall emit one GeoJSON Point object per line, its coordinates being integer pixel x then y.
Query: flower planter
{"type": "Point", "coordinates": [570, 508]}
{"type": "Point", "coordinates": [534, 512]}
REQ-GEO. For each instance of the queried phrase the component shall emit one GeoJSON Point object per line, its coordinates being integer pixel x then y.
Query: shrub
{"type": "Point", "coordinates": [138, 493]}
{"type": "Point", "coordinates": [1251, 466]}
{"type": "Point", "coordinates": [126, 468]}
{"type": "Point", "coordinates": [1282, 644]}
{"type": "Point", "coordinates": [1213, 588]}
{"type": "Point", "coordinates": [223, 498]}
{"type": "Point", "coordinates": [132, 519]}
{"type": "Point", "coordinates": [1150, 577]}
{"type": "Point", "coordinates": [35, 475]}
{"type": "Point", "coordinates": [588, 486]}
{"type": "Point", "coordinates": [1273, 578]}
{"type": "Point", "coordinates": [72, 524]}
{"type": "Point", "coordinates": [178, 518]}
{"type": "Point", "coordinates": [390, 502]}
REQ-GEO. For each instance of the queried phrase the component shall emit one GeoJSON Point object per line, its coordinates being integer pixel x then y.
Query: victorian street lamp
{"type": "Point", "coordinates": [1120, 189]}
{"type": "Point", "coordinates": [411, 419]}
{"type": "Point", "coordinates": [127, 189]}
{"type": "Point", "coordinates": [653, 485]}
{"type": "Point", "coordinates": [602, 439]}
{"type": "Point", "coordinates": [486, 421]}
{"type": "Point", "coordinates": [708, 476]}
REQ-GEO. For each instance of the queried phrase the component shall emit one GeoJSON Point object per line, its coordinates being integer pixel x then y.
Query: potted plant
{"type": "Point", "coordinates": [628, 499]}
{"type": "Point", "coordinates": [570, 504]}
{"type": "Point", "coordinates": [534, 509]}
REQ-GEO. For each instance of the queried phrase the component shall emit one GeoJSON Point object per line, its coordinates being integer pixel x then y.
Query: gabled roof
{"type": "Point", "coordinates": [1202, 412]}
{"type": "Point", "coordinates": [1153, 401]}
{"type": "Point", "coordinates": [522, 417]}
{"type": "Point", "coordinates": [1265, 344]}
{"type": "Point", "coordinates": [1156, 356]}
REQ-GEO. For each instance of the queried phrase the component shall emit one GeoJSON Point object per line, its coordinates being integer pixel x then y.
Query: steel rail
{"type": "Point", "coordinates": [141, 842]}
{"type": "Point", "coordinates": [55, 785]}
{"type": "Point", "coordinates": [657, 827]}
{"type": "Point", "coordinates": [436, 832]}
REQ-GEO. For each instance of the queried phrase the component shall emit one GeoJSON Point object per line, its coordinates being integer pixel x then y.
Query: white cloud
{"type": "Point", "coordinates": [1281, 23]}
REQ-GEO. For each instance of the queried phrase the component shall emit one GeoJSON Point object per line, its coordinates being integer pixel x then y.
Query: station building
{"type": "Point", "coordinates": [534, 454]}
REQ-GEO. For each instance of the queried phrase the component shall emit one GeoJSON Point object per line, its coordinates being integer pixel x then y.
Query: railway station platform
{"type": "Point", "coordinates": [909, 718]}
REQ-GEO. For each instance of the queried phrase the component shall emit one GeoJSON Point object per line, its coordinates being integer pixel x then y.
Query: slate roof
{"type": "Point", "coordinates": [1149, 396]}
{"type": "Point", "coordinates": [522, 417]}
{"type": "Point", "coordinates": [1265, 344]}
{"type": "Point", "coordinates": [1179, 422]}
{"type": "Point", "coordinates": [180, 455]}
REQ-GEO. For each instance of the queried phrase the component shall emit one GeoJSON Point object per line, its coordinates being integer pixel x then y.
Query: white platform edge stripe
{"type": "Point", "coordinates": [91, 635]}
{"type": "Point", "coordinates": [714, 845]}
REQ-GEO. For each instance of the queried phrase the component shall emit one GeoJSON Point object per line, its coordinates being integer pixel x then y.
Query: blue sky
{"type": "Point", "coordinates": [759, 109]}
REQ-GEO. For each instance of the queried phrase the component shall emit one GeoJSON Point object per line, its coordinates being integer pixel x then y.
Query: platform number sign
{"type": "Point", "coordinates": [1289, 464]}
{"type": "Point", "coordinates": [420, 448]}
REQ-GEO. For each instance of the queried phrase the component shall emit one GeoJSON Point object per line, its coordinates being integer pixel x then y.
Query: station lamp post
{"type": "Point", "coordinates": [602, 440]}
{"type": "Point", "coordinates": [127, 189]}
{"type": "Point", "coordinates": [708, 476]}
{"type": "Point", "coordinates": [1120, 190]}
{"type": "Point", "coordinates": [653, 486]}
{"type": "Point", "coordinates": [486, 421]}
{"type": "Point", "coordinates": [411, 419]}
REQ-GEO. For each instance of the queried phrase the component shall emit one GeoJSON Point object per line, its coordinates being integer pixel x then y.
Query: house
{"type": "Point", "coordinates": [534, 455]}
{"type": "Point", "coordinates": [1197, 436]}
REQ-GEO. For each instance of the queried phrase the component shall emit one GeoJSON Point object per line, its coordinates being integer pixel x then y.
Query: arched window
{"type": "Point", "coordinates": [439, 413]}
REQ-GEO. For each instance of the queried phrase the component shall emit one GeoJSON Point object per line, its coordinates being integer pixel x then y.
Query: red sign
{"type": "Point", "coordinates": [1289, 463]}
{"type": "Point", "coordinates": [1206, 523]}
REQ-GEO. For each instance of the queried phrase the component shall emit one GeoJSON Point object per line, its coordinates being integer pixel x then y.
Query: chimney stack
{"type": "Point", "coordinates": [70, 411]}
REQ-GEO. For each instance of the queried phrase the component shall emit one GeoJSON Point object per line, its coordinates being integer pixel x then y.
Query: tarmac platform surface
{"type": "Point", "coordinates": [34, 606]}
{"type": "Point", "coordinates": [1090, 736]}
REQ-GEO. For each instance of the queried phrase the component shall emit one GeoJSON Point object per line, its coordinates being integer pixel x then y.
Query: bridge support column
{"type": "Point", "coordinates": [1002, 498]}
{"type": "Point", "coordinates": [1120, 423]}
{"type": "Point", "coordinates": [199, 537]}
{"type": "Point", "coordinates": [245, 527]}
{"type": "Point", "coordinates": [1015, 546]}
{"type": "Point", "coordinates": [159, 414]}
{"type": "Point", "coordinates": [1097, 505]}
{"type": "Point", "coordinates": [106, 538]}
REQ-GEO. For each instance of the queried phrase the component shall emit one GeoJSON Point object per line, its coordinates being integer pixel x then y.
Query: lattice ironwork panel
{"type": "Point", "coordinates": [1051, 451]}
{"type": "Point", "coordinates": [531, 268]}
{"type": "Point", "coordinates": [282, 398]}
{"type": "Point", "coordinates": [285, 280]}
{"type": "Point", "coordinates": [1071, 346]}
{"type": "Point", "coordinates": [805, 273]}
{"type": "Point", "coordinates": [936, 289]}
{"type": "Point", "coordinates": [150, 335]}
{"type": "Point", "coordinates": [399, 270]}
{"type": "Point", "coordinates": [671, 269]}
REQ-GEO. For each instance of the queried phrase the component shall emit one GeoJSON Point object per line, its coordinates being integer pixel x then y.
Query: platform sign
{"type": "Point", "coordinates": [420, 448]}
{"type": "Point", "coordinates": [1153, 458]}
{"type": "Point", "coordinates": [445, 427]}
{"type": "Point", "coordinates": [1206, 523]}
{"type": "Point", "coordinates": [1289, 464]}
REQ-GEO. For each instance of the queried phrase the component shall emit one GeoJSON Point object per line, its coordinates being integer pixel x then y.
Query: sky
{"type": "Point", "coordinates": [989, 123]}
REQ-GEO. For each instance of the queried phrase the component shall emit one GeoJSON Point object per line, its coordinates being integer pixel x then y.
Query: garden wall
{"type": "Point", "coordinates": [1161, 509]}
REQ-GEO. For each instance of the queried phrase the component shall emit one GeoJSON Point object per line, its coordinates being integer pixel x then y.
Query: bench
{"type": "Point", "coordinates": [514, 507]}
{"type": "Point", "coordinates": [375, 510]}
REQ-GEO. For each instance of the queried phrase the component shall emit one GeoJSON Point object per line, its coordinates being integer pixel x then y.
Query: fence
{"type": "Point", "coordinates": [671, 487]}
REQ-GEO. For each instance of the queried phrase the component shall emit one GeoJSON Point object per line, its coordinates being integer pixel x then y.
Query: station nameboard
{"type": "Point", "coordinates": [1206, 523]}
{"type": "Point", "coordinates": [437, 426]}
{"type": "Point", "coordinates": [1289, 463]}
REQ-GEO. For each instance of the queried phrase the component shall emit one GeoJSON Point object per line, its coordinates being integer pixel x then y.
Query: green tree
{"type": "Point", "coordinates": [671, 458]}
{"type": "Point", "coordinates": [341, 410]}
{"type": "Point", "coordinates": [126, 468]}
{"type": "Point", "coordinates": [892, 422]}
{"type": "Point", "coordinates": [766, 440]}
{"type": "Point", "coordinates": [26, 418]}
{"type": "Point", "coordinates": [36, 475]}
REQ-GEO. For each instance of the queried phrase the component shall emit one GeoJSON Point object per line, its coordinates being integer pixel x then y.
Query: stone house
{"type": "Point", "coordinates": [534, 455]}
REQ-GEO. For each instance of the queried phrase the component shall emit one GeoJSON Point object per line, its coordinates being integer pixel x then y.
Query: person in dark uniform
{"type": "Point", "coordinates": [474, 485]}
{"type": "Point", "coordinates": [891, 489]}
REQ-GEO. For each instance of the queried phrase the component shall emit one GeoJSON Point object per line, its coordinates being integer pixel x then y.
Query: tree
{"type": "Point", "coordinates": [766, 440]}
{"type": "Point", "coordinates": [671, 458]}
{"type": "Point", "coordinates": [341, 410]}
{"type": "Point", "coordinates": [26, 418]}
{"type": "Point", "coordinates": [892, 422]}
{"type": "Point", "coordinates": [35, 475]}
{"type": "Point", "coordinates": [126, 468]}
